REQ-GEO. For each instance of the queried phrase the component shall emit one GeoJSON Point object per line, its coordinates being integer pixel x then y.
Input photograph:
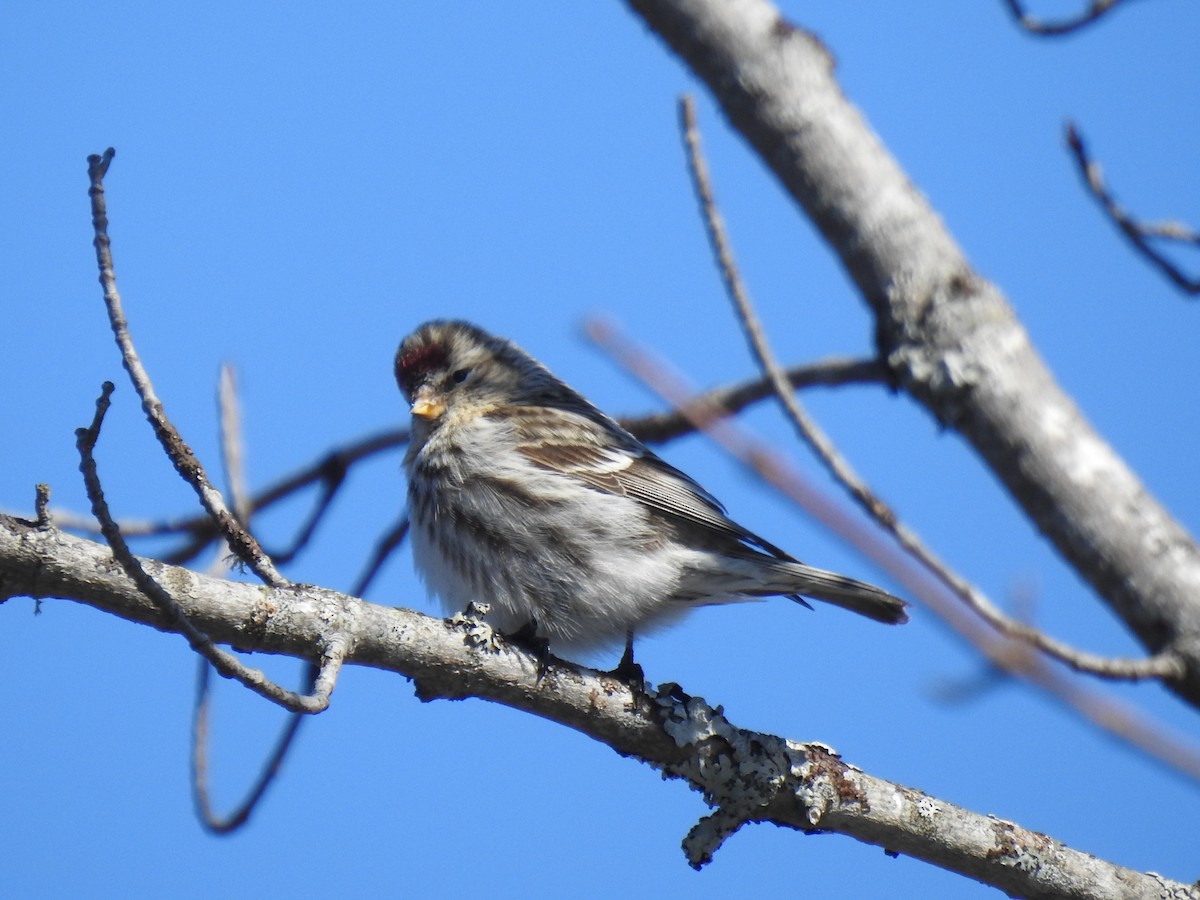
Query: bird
{"type": "Point", "coordinates": [524, 496]}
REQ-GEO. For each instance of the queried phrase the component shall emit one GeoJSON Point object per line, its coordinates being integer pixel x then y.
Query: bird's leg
{"type": "Point", "coordinates": [627, 670]}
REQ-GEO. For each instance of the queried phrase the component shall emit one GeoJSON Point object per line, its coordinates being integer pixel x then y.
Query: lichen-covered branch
{"type": "Point", "coordinates": [744, 776]}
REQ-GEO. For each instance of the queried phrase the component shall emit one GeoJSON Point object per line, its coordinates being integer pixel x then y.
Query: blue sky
{"type": "Point", "coordinates": [296, 187]}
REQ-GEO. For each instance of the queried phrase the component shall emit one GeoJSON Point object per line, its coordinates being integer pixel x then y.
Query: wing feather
{"type": "Point", "coordinates": [587, 451]}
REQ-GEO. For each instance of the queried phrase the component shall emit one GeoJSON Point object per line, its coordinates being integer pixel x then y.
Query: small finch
{"type": "Point", "coordinates": [526, 497]}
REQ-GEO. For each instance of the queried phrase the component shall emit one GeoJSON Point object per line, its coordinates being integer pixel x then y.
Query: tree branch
{"type": "Point", "coordinates": [1160, 666]}
{"type": "Point", "coordinates": [332, 653]}
{"type": "Point", "coordinates": [186, 464]}
{"type": "Point", "coordinates": [208, 816]}
{"type": "Point", "coordinates": [948, 336]}
{"type": "Point", "coordinates": [1095, 10]}
{"type": "Point", "coordinates": [1138, 233]}
{"type": "Point", "coordinates": [659, 428]}
{"type": "Point", "coordinates": [744, 776]}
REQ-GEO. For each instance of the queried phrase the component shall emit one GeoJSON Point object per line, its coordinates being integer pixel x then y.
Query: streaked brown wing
{"type": "Point", "coordinates": [633, 471]}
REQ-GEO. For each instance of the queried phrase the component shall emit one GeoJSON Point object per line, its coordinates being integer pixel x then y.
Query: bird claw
{"type": "Point", "coordinates": [527, 638]}
{"type": "Point", "coordinates": [630, 673]}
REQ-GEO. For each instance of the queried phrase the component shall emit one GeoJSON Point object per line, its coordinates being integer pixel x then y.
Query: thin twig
{"type": "Point", "coordinates": [1139, 234]}
{"type": "Point", "coordinates": [230, 427]}
{"type": "Point", "coordinates": [330, 471]}
{"type": "Point", "coordinates": [729, 399]}
{"type": "Point", "coordinates": [41, 506]}
{"type": "Point", "coordinates": [808, 430]}
{"type": "Point", "coordinates": [333, 479]}
{"type": "Point", "coordinates": [1094, 11]}
{"type": "Point", "coordinates": [233, 526]}
{"type": "Point", "coordinates": [225, 663]}
{"type": "Point", "coordinates": [383, 549]}
{"type": "Point", "coordinates": [1163, 665]}
{"type": "Point", "coordinates": [1010, 655]}
{"type": "Point", "coordinates": [200, 793]}
{"type": "Point", "coordinates": [239, 500]}
{"type": "Point", "coordinates": [186, 464]}
{"type": "Point", "coordinates": [772, 468]}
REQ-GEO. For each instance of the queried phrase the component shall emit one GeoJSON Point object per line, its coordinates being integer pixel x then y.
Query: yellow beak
{"type": "Point", "coordinates": [427, 405]}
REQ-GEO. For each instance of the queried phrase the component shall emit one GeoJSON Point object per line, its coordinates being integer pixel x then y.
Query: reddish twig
{"type": "Point", "coordinates": [1011, 656]}
{"type": "Point", "coordinates": [659, 428]}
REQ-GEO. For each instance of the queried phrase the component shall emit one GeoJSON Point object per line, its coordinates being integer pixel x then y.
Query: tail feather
{"type": "Point", "coordinates": [856, 596]}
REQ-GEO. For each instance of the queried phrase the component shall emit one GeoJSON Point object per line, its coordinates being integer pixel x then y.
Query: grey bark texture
{"type": "Point", "coordinates": [744, 776]}
{"type": "Point", "coordinates": [949, 337]}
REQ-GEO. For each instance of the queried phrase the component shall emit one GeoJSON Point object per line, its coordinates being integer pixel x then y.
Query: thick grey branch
{"type": "Point", "coordinates": [745, 776]}
{"type": "Point", "coordinates": [949, 337]}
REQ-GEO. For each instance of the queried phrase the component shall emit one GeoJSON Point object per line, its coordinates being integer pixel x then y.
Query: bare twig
{"type": "Point", "coordinates": [239, 817]}
{"type": "Point", "coordinates": [808, 430]}
{"type": "Point", "coordinates": [1161, 665]}
{"type": "Point", "coordinates": [1007, 654]}
{"type": "Point", "coordinates": [383, 549]}
{"type": "Point", "coordinates": [186, 464]}
{"type": "Point", "coordinates": [1139, 234]}
{"type": "Point", "coordinates": [230, 420]}
{"type": "Point", "coordinates": [1094, 11]}
{"type": "Point", "coordinates": [199, 767]}
{"type": "Point", "coordinates": [729, 399]}
{"type": "Point", "coordinates": [332, 480]}
{"type": "Point", "coordinates": [330, 471]}
{"type": "Point", "coordinates": [41, 505]}
{"type": "Point", "coordinates": [225, 663]}
{"type": "Point", "coordinates": [232, 525]}
{"type": "Point", "coordinates": [239, 500]}
{"type": "Point", "coordinates": [331, 467]}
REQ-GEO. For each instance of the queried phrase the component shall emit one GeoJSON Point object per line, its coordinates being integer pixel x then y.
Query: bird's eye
{"type": "Point", "coordinates": [458, 376]}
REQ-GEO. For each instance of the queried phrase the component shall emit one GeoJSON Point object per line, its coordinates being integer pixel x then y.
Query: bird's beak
{"type": "Point", "coordinates": [427, 404]}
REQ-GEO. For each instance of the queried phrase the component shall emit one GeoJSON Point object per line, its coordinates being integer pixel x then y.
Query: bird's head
{"type": "Point", "coordinates": [454, 366]}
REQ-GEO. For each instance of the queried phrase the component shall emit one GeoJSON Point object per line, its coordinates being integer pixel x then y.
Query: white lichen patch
{"type": "Point", "coordinates": [927, 809]}
{"type": "Point", "coordinates": [739, 772]}
{"type": "Point", "coordinates": [477, 632]}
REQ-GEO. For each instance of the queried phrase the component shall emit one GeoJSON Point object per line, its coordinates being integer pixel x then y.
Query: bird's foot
{"type": "Point", "coordinates": [628, 672]}
{"type": "Point", "coordinates": [527, 638]}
